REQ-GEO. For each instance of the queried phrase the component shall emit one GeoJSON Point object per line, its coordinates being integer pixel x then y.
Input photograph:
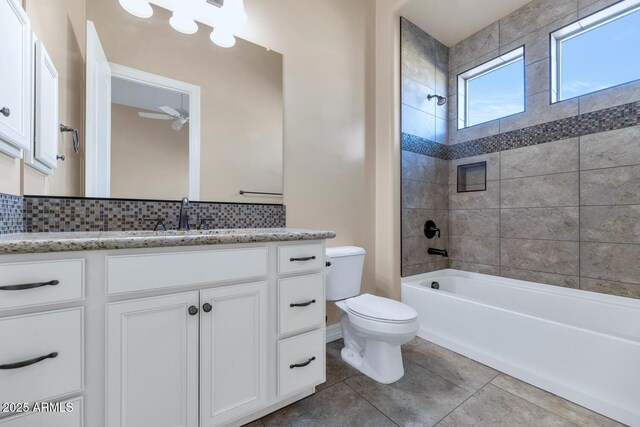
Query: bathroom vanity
{"type": "Point", "coordinates": [160, 328]}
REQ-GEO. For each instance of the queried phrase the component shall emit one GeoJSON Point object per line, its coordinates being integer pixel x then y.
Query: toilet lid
{"type": "Point", "coordinates": [381, 308]}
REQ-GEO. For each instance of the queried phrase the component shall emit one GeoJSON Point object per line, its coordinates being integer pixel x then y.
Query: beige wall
{"type": "Point", "coordinates": [342, 127]}
{"type": "Point", "coordinates": [241, 96]}
{"type": "Point", "coordinates": [60, 25]}
{"type": "Point", "coordinates": [10, 175]}
{"type": "Point", "coordinates": [147, 156]}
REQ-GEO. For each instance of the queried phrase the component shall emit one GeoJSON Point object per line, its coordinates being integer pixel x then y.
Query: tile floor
{"type": "Point", "coordinates": [440, 387]}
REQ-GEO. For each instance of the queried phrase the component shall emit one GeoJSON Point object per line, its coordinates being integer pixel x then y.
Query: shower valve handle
{"type": "Point", "coordinates": [430, 229]}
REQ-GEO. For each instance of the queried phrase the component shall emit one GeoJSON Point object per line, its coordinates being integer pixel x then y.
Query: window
{"type": "Point", "coordinates": [492, 90]}
{"type": "Point", "coordinates": [597, 52]}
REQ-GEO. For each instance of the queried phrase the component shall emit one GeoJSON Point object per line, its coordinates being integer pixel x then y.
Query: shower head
{"type": "Point", "coordinates": [441, 99]}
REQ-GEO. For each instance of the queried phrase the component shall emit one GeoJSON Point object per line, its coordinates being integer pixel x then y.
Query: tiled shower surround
{"type": "Point", "coordinates": [562, 204]}
{"type": "Point", "coordinates": [54, 214]}
{"type": "Point", "coordinates": [424, 177]}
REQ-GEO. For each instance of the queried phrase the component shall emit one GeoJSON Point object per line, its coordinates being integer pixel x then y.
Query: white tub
{"type": "Point", "coordinates": [580, 345]}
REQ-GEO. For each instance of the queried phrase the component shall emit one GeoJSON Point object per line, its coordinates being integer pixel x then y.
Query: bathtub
{"type": "Point", "coordinates": [580, 345]}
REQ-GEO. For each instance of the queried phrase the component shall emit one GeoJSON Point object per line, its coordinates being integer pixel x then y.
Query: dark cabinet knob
{"type": "Point", "coordinates": [207, 307]}
{"type": "Point", "coordinates": [5, 111]}
{"type": "Point", "coordinates": [193, 310]}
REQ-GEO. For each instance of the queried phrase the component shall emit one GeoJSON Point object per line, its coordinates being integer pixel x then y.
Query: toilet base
{"type": "Point", "coordinates": [377, 355]}
{"type": "Point", "coordinates": [381, 362]}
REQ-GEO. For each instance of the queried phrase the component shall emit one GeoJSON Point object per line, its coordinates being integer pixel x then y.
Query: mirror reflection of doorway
{"type": "Point", "coordinates": [149, 141]}
{"type": "Point", "coordinates": [143, 131]}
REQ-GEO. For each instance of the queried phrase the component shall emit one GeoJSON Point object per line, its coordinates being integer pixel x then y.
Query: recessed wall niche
{"type": "Point", "coordinates": [472, 177]}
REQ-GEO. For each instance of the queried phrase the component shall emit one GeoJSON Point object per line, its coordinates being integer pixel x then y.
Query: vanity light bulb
{"type": "Point", "coordinates": [223, 39]}
{"type": "Point", "coordinates": [235, 14]}
{"type": "Point", "coordinates": [139, 8]}
{"type": "Point", "coordinates": [183, 24]}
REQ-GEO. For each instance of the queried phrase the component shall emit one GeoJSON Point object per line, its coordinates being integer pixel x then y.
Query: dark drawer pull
{"type": "Point", "coordinates": [308, 258]}
{"type": "Point", "coordinates": [28, 286]}
{"type": "Point", "coordinates": [29, 362]}
{"type": "Point", "coordinates": [302, 365]}
{"type": "Point", "coordinates": [303, 304]}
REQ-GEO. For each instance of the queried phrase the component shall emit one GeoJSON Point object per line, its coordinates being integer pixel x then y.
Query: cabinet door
{"type": "Point", "coordinates": [15, 87]}
{"type": "Point", "coordinates": [152, 362]}
{"type": "Point", "coordinates": [233, 352]}
{"type": "Point", "coordinates": [47, 123]}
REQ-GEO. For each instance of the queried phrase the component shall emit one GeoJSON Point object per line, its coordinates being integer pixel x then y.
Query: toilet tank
{"type": "Point", "coordinates": [345, 273]}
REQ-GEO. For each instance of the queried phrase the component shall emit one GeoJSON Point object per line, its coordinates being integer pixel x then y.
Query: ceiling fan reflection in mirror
{"type": "Point", "coordinates": [179, 116]}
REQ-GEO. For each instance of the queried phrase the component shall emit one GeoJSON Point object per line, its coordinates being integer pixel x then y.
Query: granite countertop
{"type": "Point", "coordinates": [25, 243]}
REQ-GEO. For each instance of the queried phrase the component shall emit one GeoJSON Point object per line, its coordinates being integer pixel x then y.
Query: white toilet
{"type": "Point", "coordinates": [373, 328]}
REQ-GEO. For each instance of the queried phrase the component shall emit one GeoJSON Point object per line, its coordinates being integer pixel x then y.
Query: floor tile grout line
{"type": "Point", "coordinates": [538, 406]}
{"type": "Point", "coordinates": [465, 401]}
{"type": "Point", "coordinates": [448, 380]}
{"type": "Point", "coordinates": [370, 403]}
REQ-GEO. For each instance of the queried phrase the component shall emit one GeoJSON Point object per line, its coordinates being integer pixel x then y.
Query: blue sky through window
{"type": "Point", "coordinates": [606, 56]}
{"type": "Point", "coordinates": [496, 94]}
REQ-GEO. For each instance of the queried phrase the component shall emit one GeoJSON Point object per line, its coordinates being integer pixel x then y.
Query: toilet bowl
{"type": "Point", "coordinates": [373, 328]}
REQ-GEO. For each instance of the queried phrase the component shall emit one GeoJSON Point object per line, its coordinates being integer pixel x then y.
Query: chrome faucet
{"type": "Point", "coordinates": [183, 221]}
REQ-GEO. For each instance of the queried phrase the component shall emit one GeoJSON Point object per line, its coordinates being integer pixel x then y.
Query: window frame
{"type": "Point", "coordinates": [464, 78]}
{"type": "Point", "coordinates": [579, 27]}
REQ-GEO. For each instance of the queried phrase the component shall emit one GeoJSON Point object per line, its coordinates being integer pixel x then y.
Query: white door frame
{"type": "Point", "coordinates": [97, 117]}
{"type": "Point", "coordinates": [193, 91]}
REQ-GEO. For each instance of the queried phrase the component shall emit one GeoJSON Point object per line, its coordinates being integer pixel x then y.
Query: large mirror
{"type": "Point", "coordinates": [170, 115]}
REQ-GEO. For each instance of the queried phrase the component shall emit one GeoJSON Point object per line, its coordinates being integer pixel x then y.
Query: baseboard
{"type": "Point", "coordinates": [334, 332]}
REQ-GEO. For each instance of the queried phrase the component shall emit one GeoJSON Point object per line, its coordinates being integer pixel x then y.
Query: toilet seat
{"type": "Point", "coordinates": [380, 309]}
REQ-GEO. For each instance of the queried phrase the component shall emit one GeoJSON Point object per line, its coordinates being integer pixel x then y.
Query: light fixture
{"type": "Point", "coordinates": [225, 17]}
{"type": "Point", "coordinates": [222, 38]}
{"type": "Point", "coordinates": [183, 24]}
{"type": "Point", "coordinates": [139, 8]}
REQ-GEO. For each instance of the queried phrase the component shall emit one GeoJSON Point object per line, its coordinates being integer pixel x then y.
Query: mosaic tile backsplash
{"type": "Point", "coordinates": [53, 214]}
{"type": "Point", "coordinates": [11, 214]}
{"type": "Point", "coordinates": [618, 117]}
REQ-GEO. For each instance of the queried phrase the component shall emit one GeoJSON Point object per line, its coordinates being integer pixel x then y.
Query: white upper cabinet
{"type": "Point", "coordinates": [46, 112]}
{"type": "Point", "coordinates": [15, 79]}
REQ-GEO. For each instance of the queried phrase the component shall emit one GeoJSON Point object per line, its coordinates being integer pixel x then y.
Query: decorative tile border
{"type": "Point", "coordinates": [621, 116]}
{"type": "Point", "coordinates": [11, 218]}
{"type": "Point", "coordinates": [58, 214]}
{"type": "Point", "coordinates": [423, 146]}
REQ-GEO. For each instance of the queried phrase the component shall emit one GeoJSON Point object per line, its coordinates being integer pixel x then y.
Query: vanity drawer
{"type": "Point", "coordinates": [58, 334]}
{"type": "Point", "coordinates": [69, 414]}
{"type": "Point", "coordinates": [134, 273]}
{"type": "Point", "coordinates": [32, 283]}
{"type": "Point", "coordinates": [308, 350]}
{"type": "Point", "coordinates": [300, 303]}
{"type": "Point", "coordinates": [300, 258]}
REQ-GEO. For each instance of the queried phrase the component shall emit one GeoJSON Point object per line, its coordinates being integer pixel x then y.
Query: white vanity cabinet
{"type": "Point", "coordinates": [233, 352]}
{"type": "Point", "coordinates": [152, 362]}
{"type": "Point", "coordinates": [42, 340]}
{"type": "Point", "coordinates": [195, 336]}
{"type": "Point", "coordinates": [153, 349]}
{"type": "Point", "coordinates": [15, 88]}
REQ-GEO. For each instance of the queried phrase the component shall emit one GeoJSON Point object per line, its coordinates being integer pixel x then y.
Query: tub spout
{"type": "Point", "coordinates": [441, 252]}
